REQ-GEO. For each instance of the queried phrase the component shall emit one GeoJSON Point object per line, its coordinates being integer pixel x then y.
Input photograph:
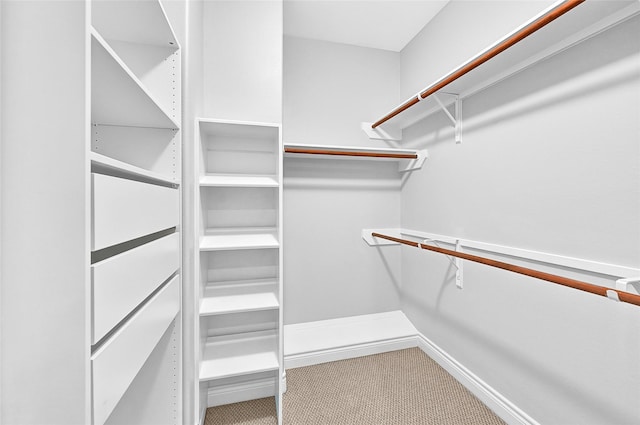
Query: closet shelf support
{"type": "Point", "coordinates": [459, 263]}
{"type": "Point", "coordinates": [456, 119]}
{"type": "Point", "coordinates": [413, 164]}
{"type": "Point", "coordinates": [623, 284]}
{"type": "Point", "coordinates": [455, 261]}
{"type": "Point", "coordinates": [391, 135]}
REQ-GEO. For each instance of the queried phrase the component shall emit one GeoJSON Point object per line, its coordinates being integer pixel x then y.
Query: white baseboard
{"type": "Point", "coordinates": [324, 341]}
{"type": "Point", "coordinates": [343, 353]}
{"type": "Point", "coordinates": [499, 404]}
{"type": "Point", "coordinates": [234, 393]}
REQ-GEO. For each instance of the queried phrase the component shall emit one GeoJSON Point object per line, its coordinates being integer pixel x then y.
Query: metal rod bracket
{"type": "Point", "coordinates": [455, 261]}
{"type": "Point", "coordinates": [458, 263]}
{"type": "Point", "coordinates": [413, 164]}
{"type": "Point", "coordinates": [456, 117]}
{"type": "Point", "coordinates": [390, 134]}
{"type": "Point", "coordinates": [613, 295]}
{"type": "Point", "coordinates": [623, 284]}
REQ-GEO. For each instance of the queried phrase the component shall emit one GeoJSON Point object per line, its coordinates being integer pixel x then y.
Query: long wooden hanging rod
{"type": "Point", "coordinates": [548, 17]}
{"type": "Point", "coordinates": [572, 283]}
{"type": "Point", "coordinates": [362, 153]}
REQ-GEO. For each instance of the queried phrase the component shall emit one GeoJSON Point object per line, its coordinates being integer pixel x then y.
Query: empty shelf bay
{"type": "Point", "coordinates": [237, 297]}
{"type": "Point", "coordinates": [239, 354]}
{"type": "Point", "coordinates": [118, 96]}
{"type": "Point", "coordinates": [238, 180]}
{"type": "Point", "coordinates": [240, 240]}
{"type": "Point", "coordinates": [143, 22]}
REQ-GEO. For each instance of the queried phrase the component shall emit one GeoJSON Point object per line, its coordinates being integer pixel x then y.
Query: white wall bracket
{"type": "Point", "coordinates": [456, 118]}
{"type": "Point", "coordinates": [623, 284]}
{"type": "Point", "coordinates": [613, 295]}
{"type": "Point", "coordinates": [413, 164]}
{"type": "Point", "coordinates": [458, 264]}
{"type": "Point", "coordinates": [390, 134]}
{"type": "Point", "coordinates": [455, 262]}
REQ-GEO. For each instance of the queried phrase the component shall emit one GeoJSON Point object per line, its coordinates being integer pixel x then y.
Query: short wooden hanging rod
{"type": "Point", "coordinates": [483, 57]}
{"type": "Point", "coordinates": [363, 153]}
{"type": "Point", "coordinates": [572, 283]}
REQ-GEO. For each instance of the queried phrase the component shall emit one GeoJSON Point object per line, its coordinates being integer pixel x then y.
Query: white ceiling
{"type": "Point", "coordinates": [381, 24]}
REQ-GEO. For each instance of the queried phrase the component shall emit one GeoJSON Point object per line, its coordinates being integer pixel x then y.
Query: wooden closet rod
{"type": "Point", "coordinates": [554, 13]}
{"type": "Point", "coordinates": [351, 153]}
{"type": "Point", "coordinates": [572, 283]}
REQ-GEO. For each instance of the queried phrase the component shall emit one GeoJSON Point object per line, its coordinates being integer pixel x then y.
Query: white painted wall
{"type": "Point", "coordinates": [329, 271]}
{"type": "Point", "coordinates": [550, 161]}
{"type": "Point", "coordinates": [242, 53]}
{"type": "Point", "coordinates": [330, 88]}
{"type": "Point", "coordinates": [45, 223]}
{"type": "Point", "coordinates": [458, 34]}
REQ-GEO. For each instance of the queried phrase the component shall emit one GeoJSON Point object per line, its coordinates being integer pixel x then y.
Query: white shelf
{"type": "Point", "coordinates": [579, 24]}
{"type": "Point", "coordinates": [122, 169]}
{"type": "Point", "coordinates": [118, 96]}
{"type": "Point", "coordinates": [240, 354]}
{"type": "Point", "coordinates": [239, 239]}
{"type": "Point", "coordinates": [238, 297]}
{"type": "Point", "coordinates": [244, 129]}
{"type": "Point", "coordinates": [349, 152]}
{"type": "Point", "coordinates": [238, 180]}
{"type": "Point", "coordinates": [143, 22]}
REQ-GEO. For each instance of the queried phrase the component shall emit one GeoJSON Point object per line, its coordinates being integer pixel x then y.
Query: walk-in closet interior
{"type": "Point", "coordinates": [201, 196]}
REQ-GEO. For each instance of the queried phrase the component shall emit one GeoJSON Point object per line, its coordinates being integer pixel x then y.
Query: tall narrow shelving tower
{"type": "Point", "coordinates": [93, 335]}
{"type": "Point", "coordinates": [135, 247]}
{"type": "Point", "coordinates": [240, 262]}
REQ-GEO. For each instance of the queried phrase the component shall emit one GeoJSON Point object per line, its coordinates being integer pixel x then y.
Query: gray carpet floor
{"type": "Point", "coordinates": [403, 387]}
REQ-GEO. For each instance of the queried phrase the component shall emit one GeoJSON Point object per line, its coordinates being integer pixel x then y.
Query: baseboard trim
{"type": "Point", "coordinates": [234, 393]}
{"type": "Point", "coordinates": [349, 352]}
{"type": "Point", "coordinates": [324, 341]}
{"type": "Point", "coordinates": [499, 404]}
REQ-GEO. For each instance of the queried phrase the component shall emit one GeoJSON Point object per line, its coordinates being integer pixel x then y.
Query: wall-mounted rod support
{"type": "Point", "coordinates": [572, 283]}
{"type": "Point", "coordinates": [456, 121]}
{"type": "Point", "coordinates": [623, 284]}
{"type": "Point", "coordinates": [484, 56]}
{"type": "Point", "coordinates": [459, 269]}
{"type": "Point", "coordinates": [455, 262]}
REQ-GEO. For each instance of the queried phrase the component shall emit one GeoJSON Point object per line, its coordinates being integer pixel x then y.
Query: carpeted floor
{"type": "Point", "coordinates": [402, 387]}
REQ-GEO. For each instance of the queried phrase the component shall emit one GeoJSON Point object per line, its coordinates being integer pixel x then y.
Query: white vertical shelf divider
{"type": "Point", "coordinates": [239, 268]}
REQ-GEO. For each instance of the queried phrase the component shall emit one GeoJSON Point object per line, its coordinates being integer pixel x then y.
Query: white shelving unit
{"type": "Point", "coordinates": [100, 341]}
{"type": "Point", "coordinates": [135, 165]}
{"type": "Point", "coordinates": [239, 203]}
